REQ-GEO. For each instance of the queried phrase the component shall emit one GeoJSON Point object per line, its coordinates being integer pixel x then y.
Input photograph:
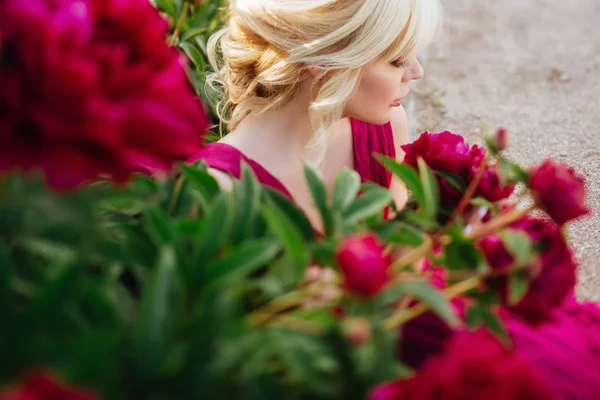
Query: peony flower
{"type": "Point", "coordinates": [42, 386]}
{"type": "Point", "coordinates": [587, 316]}
{"type": "Point", "coordinates": [553, 272]}
{"type": "Point", "coordinates": [363, 263]}
{"type": "Point", "coordinates": [89, 88]}
{"type": "Point", "coordinates": [562, 351]}
{"type": "Point", "coordinates": [559, 191]}
{"type": "Point", "coordinates": [490, 187]}
{"type": "Point", "coordinates": [421, 338]}
{"type": "Point", "coordinates": [447, 152]}
{"type": "Point", "coordinates": [473, 365]}
{"type": "Point", "coordinates": [443, 151]}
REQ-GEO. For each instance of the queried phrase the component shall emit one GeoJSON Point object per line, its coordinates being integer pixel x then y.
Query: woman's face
{"type": "Point", "coordinates": [382, 87]}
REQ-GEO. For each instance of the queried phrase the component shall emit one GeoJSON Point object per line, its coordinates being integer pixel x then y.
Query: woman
{"type": "Point", "coordinates": [318, 80]}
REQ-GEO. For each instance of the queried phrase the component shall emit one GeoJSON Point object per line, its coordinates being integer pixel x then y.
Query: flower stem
{"type": "Point", "coordinates": [413, 256]}
{"type": "Point", "coordinates": [499, 222]}
{"type": "Point", "coordinates": [186, 8]}
{"type": "Point", "coordinates": [279, 304]}
{"type": "Point", "coordinates": [464, 201]}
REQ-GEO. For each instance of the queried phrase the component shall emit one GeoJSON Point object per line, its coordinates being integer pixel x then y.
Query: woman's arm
{"type": "Point", "coordinates": [399, 123]}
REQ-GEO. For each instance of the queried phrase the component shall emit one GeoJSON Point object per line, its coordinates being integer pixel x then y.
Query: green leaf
{"type": "Point", "coordinates": [48, 306]}
{"type": "Point", "coordinates": [495, 325]}
{"type": "Point", "coordinates": [292, 211]}
{"type": "Point", "coordinates": [346, 187]}
{"type": "Point", "coordinates": [406, 174]}
{"type": "Point", "coordinates": [323, 252]}
{"type": "Point", "coordinates": [406, 234]}
{"type": "Point", "coordinates": [157, 225]}
{"type": "Point", "coordinates": [246, 200]}
{"type": "Point", "coordinates": [319, 194]}
{"type": "Point", "coordinates": [462, 255]}
{"type": "Point", "coordinates": [160, 308]}
{"type": "Point", "coordinates": [429, 295]}
{"type": "Point", "coordinates": [454, 180]}
{"type": "Point", "coordinates": [291, 238]}
{"type": "Point", "coordinates": [204, 183]}
{"type": "Point", "coordinates": [49, 250]}
{"type": "Point", "coordinates": [474, 316]}
{"type": "Point", "coordinates": [518, 285]}
{"type": "Point", "coordinates": [430, 188]}
{"type": "Point", "coordinates": [213, 234]}
{"type": "Point", "coordinates": [481, 202]}
{"type": "Point", "coordinates": [519, 245]}
{"type": "Point", "coordinates": [370, 203]}
{"type": "Point", "coordinates": [241, 261]}
{"type": "Point", "coordinates": [511, 172]}
{"type": "Point", "coordinates": [194, 54]}
{"type": "Point", "coordinates": [6, 268]}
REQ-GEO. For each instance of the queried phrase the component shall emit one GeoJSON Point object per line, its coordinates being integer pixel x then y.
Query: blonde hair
{"type": "Point", "coordinates": [262, 57]}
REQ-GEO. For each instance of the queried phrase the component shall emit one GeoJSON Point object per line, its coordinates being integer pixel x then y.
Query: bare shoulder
{"type": "Point", "coordinates": [399, 121]}
{"type": "Point", "coordinates": [224, 180]}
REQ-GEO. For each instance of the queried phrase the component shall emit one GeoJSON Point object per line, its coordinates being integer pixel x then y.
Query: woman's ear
{"type": "Point", "coordinates": [314, 71]}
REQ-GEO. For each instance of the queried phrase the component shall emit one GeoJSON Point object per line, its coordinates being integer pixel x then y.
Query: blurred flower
{"type": "Point", "coordinates": [421, 338]}
{"type": "Point", "coordinates": [490, 187]}
{"type": "Point", "coordinates": [357, 330]}
{"type": "Point", "coordinates": [473, 365]}
{"type": "Point", "coordinates": [559, 191]}
{"type": "Point", "coordinates": [363, 263]}
{"type": "Point", "coordinates": [89, 88]}
{"type": "Point", "coordinates": [561, 351]}
{"type": "Point", "coordinates": [497, 141]}
{"type": "Point", "coordinates": [447, 152]}
{"type": "Point", "coordinates": [501, 139]}
{"type": "Point", "coordinates": [40, 385]}
{"type": "Point", "coordinates": [553, 271]}
{"type": "Point", "coordinates": [587, 316]}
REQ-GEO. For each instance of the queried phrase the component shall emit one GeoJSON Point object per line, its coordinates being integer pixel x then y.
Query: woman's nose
{"type": "Point", "coordinates": [415, 71]}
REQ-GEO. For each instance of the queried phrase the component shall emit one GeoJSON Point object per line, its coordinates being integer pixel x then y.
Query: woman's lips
{"type": "Point", "coordinates": [397, 103]}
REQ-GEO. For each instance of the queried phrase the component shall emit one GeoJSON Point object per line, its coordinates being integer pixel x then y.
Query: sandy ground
{"type": "Point", "coordinates": [532, 66]}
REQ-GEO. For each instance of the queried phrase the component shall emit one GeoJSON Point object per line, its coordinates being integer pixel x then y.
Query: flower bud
{"type": "Point", "coordinates": [357, 330]}
{"type": "Point", "coordinates": [364, 265]}
{"type": "Point", "coordinates": [501, 139]}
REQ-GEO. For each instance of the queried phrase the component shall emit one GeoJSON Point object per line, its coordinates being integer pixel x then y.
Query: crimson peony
{"type": "Point", "coordinates": [447, 152]}
{"type": "Point", "coordinates": [364, 265]}
{"type": "Point", "coordinates": [561, 351]}
{"type": "Point", "coordinates": [559, 191]}
{"type": "Point", "coordinates": [42, 386]}
{"type": "Point", "coordinates": [473, 365]}
{"type": "Point", "coordinates": [89, 88]}
{"type": "Point", "coordinates": [553, 272]}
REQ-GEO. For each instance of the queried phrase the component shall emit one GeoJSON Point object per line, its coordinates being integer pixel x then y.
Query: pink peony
{"type": "Point", "coordinates": [42, 386]}
{"type": "Point", "coordinates": [559, 191]}
{"type": "Point", "coordinates": [553, 272]}
{"type": "Point", "coordinates": [447, 152]}
{"type": "Point", "coordinates": [363, 264]}
{"type": "Point", "coordinates": [561, 351]}
{"type": "Point", "coordinates": [473, 365]}
{"type": "Point", "coordinates": [89, 88]}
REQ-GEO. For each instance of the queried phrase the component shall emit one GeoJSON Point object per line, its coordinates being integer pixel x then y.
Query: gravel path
{"type": "Point", "coordinates": [532, 66]}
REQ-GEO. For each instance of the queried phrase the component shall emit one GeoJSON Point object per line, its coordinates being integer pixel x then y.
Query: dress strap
{"type": "Point", "coordinates": [368, 139]}
{"type": "Point", "coordinates": [226, 158]}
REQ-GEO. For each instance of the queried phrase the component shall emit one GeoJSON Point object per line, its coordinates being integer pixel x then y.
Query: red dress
{"type": "Point", "coordinates": [366, 140]}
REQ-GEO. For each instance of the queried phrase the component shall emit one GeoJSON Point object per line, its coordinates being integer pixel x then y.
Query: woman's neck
{"type": "Point", "coordinates": [276, 138]}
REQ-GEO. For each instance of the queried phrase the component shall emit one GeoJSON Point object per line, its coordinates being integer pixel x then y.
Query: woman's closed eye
{"type": "Point", "coordinates": [401, 63]}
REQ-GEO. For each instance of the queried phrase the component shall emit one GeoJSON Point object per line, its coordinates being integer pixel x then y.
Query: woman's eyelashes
{"type": "Point", "coordinates": [400, 63]}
